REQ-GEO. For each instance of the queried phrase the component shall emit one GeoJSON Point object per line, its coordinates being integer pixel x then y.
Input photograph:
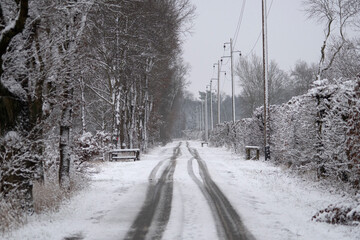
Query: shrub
{"type": "Point", "coordinates": [11, 213]}
{"type": "Point", "coordinates": [339, 214]}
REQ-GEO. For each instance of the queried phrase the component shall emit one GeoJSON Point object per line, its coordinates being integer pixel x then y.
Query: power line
{"type": "Point", "coordinates": [239, 22]}
{"type": "Point", "coordinates": [258, 38]}
{"type": "Point", "coordinates": [256, 42]}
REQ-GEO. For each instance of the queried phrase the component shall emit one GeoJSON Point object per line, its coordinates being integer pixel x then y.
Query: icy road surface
{"type": "Point", "coordinates": [185, 191]}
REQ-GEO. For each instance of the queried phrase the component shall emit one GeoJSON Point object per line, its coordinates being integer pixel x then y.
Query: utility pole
{"type": "Point", "coordinates": [211, 103]}
{"type": "Point", "coordinates": [232, 82]}
{"type": "Point", "coordinates": [211, 108]}
{"type": "Point", "coordinates": [201, 116]}
{"type": "Point", "coordinates": [218, 93]}
{"type": "Point", "coordinates": [206, 116]}
{"type": "Point", "coordinates": [232, 78]}
{"type": "Point", "coordinates": [266, 82]}
{"type": "Point", "coordinates": [198, 118]}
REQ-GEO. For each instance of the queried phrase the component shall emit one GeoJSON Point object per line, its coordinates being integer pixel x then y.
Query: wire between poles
{"type": "Point", "coordinates": [258, 38]}
{"type": "Point", "coordinates": [239, 22]}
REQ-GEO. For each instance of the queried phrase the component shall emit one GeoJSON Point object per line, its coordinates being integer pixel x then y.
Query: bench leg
{"type": "Point", "coordinates": [247, 154]}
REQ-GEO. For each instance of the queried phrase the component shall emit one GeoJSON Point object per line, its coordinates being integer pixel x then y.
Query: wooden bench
{"type": "Point", "coordinates": [248, 152]}
{"type": "Point", "coordinates": [124, 154]}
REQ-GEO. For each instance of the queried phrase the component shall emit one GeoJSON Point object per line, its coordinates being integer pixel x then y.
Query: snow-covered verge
{"type": "Point", "coordinates": [29, 181]}
{"type": "Point", "coordinates": [316, 133]}
{"type": "Point", "coordinates": [273, 204]}
{"type": "Point", "coordinates": [104, 210]}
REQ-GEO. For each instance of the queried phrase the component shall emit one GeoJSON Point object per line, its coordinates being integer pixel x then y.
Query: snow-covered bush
{"type": "Point", "coordinates": [88, 146]}
{"type": "Point", "coordinates": [291, 129]}
{"type": "Point", "coordinates": [310, 131]}
{"type": "Point", "coordinates": [29, 182]}
{"type": "Point", "coordinates": [11, 213]}
{"type": "Point", "coordinates": [236, 136]}
{"type": "Point", "coordinates": [48, 196]}
{"type": "Point", "coordinates": [317, 132]}
{"type": "Point", "coordinates": [353, 136]}
{"type": "Point", "coordinates": [17, 168]}
{"type": "Point", "coordinates": [339, 214]}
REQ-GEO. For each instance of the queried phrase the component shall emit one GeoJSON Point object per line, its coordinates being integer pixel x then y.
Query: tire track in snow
{"type": "Point", "coordinates": [151, 221]}
{"type": "Point", "coordinates": [229, 224]}
{"type": "Point", "coordinates": [200, 184]}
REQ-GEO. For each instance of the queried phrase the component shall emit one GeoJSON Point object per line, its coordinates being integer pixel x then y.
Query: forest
{"type": "Point", "coordinates": [80, 77]}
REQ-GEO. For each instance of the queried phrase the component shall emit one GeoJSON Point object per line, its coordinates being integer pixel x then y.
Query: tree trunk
{"type": "Point", "coordinates": [10, 105]}
{"type": "Point", "coordinates": [132, 126]}
{"type": "Point", "coordinates": [65, 147]}
{"type": "Point", "coordinates": [83, 114]}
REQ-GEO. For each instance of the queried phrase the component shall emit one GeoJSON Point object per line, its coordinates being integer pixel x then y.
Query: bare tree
{"type": "Point", "coordinates": [338, 16]}
{"type": "Point", "coordinates": [302, 77]}
{"type": "Point", "coordinates": [251, 82]}
{"type": "Point", "coordinates": [347, 63]}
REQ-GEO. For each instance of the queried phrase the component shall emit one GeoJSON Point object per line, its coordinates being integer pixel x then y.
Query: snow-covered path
{"type": "Point", "coordinates": [271, 204]}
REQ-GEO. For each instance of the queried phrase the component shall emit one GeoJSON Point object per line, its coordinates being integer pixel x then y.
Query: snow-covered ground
{"type": "Point", "coordinates": [272, 204]}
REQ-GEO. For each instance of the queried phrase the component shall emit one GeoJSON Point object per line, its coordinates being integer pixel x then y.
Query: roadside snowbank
{"type": "Point", "coordinates": [104, 211]}
{"type": "Point", "coordinates": [273, 204]}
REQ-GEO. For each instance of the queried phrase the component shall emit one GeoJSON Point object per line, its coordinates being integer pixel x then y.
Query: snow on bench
{"type": "Point", "coordinates": [248, 152]}
{"type": "Point", "coordinates": [124, 154]}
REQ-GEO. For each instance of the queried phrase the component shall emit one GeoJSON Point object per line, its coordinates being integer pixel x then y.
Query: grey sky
{"type": "Point", "coordinates": [291, 36]}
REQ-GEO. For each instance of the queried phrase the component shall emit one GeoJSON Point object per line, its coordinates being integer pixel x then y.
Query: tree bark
{"type": "Point", "coordinates": [10, 105]}
{"type": "Point", "coordinates": [65, 145]}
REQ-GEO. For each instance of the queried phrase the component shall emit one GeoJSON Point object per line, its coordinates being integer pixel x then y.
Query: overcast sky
{"type": "Point", "coordinates": [291, 36]}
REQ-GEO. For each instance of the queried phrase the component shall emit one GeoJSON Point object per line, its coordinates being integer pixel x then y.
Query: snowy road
{"type": "Point", "coordinates": [153, 218]}
{"type": "Point", "coordinates": [154, 215]}
{"type": "Point", "coordinates": [228, 221]}
{"type": "Point", "coordinates": [185, 191]}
